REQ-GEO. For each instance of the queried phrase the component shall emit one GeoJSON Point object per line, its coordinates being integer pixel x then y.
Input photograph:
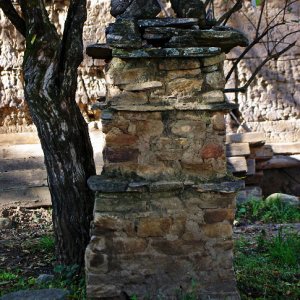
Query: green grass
{"type": "Point", "coordinates": [269, 268]}
{"type": "Point", "coordinates": [14, 281]}
{"type": "Point", "coordinates": [44, 244]}
{"type": "Point", "coordinates": [273, 211]}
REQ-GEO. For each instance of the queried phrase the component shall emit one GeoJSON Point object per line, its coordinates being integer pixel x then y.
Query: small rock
{"type": "Point", "coordinates": [45, 294]}
{"type": "Point", "coordinates": [139, 9]}
{"type": "Point", "coordinates": [284, 198]}
{"type": "Point", "coordinates": [168, 22]}
{"type": "Point", "coordinates": [119, 6]}
{"type": "Point", "coordinates": [44, 278]}
{"type": "Point", "coordinates": [124, 33]}
{"type": "Point", "coordinates": [190, 9]}
{"type": "Point", "coordinates": [5, 223]}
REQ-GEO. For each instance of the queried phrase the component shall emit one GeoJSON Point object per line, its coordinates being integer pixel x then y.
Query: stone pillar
{"type": "Point", "coordinates": [164, 206]}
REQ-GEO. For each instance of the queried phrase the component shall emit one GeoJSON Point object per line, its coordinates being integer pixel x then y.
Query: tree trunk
{"type": "Point", "coordinates": [50, 73]}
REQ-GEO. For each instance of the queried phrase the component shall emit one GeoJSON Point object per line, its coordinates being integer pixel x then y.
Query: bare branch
{"type": "Point", "coordinates": [238, 5]}
{"type": "Point", "coordinates": [248, 48]}
{"type": "Point", "coordinates": [263, 5]}
{"type": "Point", "coordinates": [281, 11]}
{"type": "Point", "coordinates": [276, 55]}
{"type": "Point", "coordinates": [11, 13]}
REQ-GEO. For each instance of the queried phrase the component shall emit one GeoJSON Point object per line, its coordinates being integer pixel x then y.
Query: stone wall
{"type": "Point", "coordinates": [140, 139]}
{"type": "Point", "coordinates": [14, 114]}
{"type": "Point", "coordinates": [271, 105]}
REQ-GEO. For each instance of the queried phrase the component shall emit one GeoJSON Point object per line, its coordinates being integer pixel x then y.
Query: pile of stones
{"type": "Point", "coordinates": [136, 27]}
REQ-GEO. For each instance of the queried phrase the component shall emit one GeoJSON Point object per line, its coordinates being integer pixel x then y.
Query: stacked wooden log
{"type": "Point", "coordinates": [248, 156]}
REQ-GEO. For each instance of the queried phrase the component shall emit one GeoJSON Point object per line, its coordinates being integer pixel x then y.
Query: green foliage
{"type": "Point", "coordinates": [4, 276]}
{"type": "Point", "coordinates": [66, 277]}
{"type": "Point", "coordinates": [268, 211]}
{"type": "Point", "coordinates": [70, 278]}
{"type": "Point", "coordinates": [269, 268]}
{"type": "Point", "coordinates": [14, 281]}
{"type": "Point", "coordinates": [47, 243]}
{"type": "Point", "coordinates": [44, 244]}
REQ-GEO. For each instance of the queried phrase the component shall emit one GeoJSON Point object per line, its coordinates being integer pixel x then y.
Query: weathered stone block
{"type": "Point", "coordinates": [212, 151]}
{"type": "Point", "coordinates": [214, 80]}
{"type": "Point", "coordinates": [148, 85]}
{"type": "Point", "coordinates": [218, 122]}
{"type": "Point", "coordinates": [208, 200]}
{"type": "Point", "coordinates": [107, 222]}
{"type": "Point", "coordinates": [218, 215]}
{"type": "Point", "coordinates": [179, 64]}
{"type": "Point", "coordinates": [124, 33]}
{"type": "Point", "coordinates": [173, 52]}
{"type": "Point", "coordinates": [214, 60]}
{"type": "Point", "coordinates": [178, 247]}
{"type": "Point", "coordinates": [149, 128]}
{"type": "Point", "coordinates": [217, 230]}
{"type": "Point", "coordinates": [165, 186]}
{"type": "Point", "coordinates": [127, 98]}
{"type": "Point", "coordinates": [115, 202]}
{"type": "Point", "coordinates": [212, 97]}
{"type": "Point", "coordinates": [139, 9]}
{"type": "Point", "coordinates": [117, 138]}
{"type": "Point", "coordinates": [174, 74]}
{"type": "Point", "coordinates": [128, 245]}
{"type": "Point", "coordinates": [96, 262]}
{"type": "Point", "coordinates": [108, 185]}
{"type": "Point", "coordinates": [120, 154]}
{"type": "Point", "coordinates": [127, 76]}
{"type": "Point", "coordinates": [184, 87]}
{"type": "Point", "coordinates": [185, 128]}
{"type": "Point", "coordinates": [153, 227]}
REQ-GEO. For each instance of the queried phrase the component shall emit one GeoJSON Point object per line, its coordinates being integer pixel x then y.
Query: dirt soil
{"type": "Point", "coordinates": [20, 246]}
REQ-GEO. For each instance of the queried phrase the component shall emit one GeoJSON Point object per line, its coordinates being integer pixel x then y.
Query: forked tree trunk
{"type": "Point", "coordinates": [50, 73]}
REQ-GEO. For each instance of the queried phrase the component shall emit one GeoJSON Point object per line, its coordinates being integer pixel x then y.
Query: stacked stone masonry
{"type": "Point", "coordinates": [147, 136]}
{"type": "Point", "coordinates": [164, 203]}
{"type": "Point", "coordinates": [165, 239]}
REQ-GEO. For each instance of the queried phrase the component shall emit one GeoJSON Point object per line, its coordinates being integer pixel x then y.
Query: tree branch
{"type": "Point", "coordinates": [248, 48]}
{"type": "Point", "coordinates": [237, 6]}
{"type": "Point", "coordinates": [72, 45]}
{"type": "Point", "coordinates": [11, 13]}
{"type": "Point", "coordinates": [37, 19]}
{"type": "Point", "coordinates": [276, 55]}
{"type": "Point", "coordinates": [260, 18]}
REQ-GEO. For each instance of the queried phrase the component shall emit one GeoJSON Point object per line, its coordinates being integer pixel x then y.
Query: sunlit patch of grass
{"type": "Point", "coordinates": [269, 268]}
{"type": "Point", "coordinates": [273, 211]}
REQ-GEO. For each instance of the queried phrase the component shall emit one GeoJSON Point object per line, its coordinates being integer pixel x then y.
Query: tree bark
{"type": "Point", "coordinates": [50, 73]}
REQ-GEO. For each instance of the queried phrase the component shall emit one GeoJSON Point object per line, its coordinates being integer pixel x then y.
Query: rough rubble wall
{"type": "Point", "coordinates": [14, 114]}
{"type": "Point", "coordinates": [271, 104]}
